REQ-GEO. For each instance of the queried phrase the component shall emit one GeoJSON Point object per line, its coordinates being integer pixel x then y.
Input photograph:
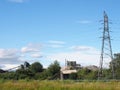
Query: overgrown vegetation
{"type": "Point", "coordinates": [58, 85]}
{"type": "Point", "coordinates": [35, 71]}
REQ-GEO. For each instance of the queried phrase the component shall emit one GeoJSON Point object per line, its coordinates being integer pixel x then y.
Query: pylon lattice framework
{"type": "Point", "coordinates": [106, 49]}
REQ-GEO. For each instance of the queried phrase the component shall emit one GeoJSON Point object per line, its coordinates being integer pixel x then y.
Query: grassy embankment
{"type": "Point", "coordinates": [58, 85]}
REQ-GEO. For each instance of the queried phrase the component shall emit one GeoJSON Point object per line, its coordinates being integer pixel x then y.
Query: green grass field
{"type": "Point", "coordinates": [58, 85]}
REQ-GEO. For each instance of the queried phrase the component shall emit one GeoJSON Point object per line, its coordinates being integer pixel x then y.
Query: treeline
{"type": "Point", "coordinates": [37, 72]}
{"type": "Point", "coordinates": [33, 71]}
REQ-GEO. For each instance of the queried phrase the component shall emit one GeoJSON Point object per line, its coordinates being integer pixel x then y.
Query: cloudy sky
{"type": "Point", "coordinates": [48, 30]}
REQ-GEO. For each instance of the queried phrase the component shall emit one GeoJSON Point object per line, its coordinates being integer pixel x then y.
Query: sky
{"type": "Point", "coordinates": [48, 30]}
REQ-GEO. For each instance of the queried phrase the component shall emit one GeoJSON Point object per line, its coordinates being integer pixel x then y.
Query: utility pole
{"type": "Point", "coordinates": [106, 49]}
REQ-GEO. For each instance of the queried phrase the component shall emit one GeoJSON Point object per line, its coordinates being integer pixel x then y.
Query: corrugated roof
{"type": "Point", "coordinates": [69, 71]}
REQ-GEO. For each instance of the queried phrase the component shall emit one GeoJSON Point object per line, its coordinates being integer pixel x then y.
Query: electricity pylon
{"type": "Point", "coordinates": [106, 49]}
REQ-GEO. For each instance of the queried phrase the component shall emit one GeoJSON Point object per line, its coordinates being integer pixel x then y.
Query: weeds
{"type": "Point", "coordinates": [58, 85]}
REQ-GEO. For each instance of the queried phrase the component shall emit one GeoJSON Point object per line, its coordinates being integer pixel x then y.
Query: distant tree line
{"type": "Point", "coordinates": [37, 72]}
{"type": "Point", "coordinates": [33, 71]}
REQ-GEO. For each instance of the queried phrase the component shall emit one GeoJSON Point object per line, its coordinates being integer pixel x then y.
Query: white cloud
{"type": "Point", "coordinates": [9, 66]}
{"type": "Point", "coordinates": [82, 54]}
{"type": "Point", "coordinates": [18, 1]}
{"type": "Point", "coordinates": [36, 55]}
{"type": "Point", "coordinates": [10, 56]}
{"type": "Point", "coordinates": [56, 46]}
{"type": "Point", "coordinates": [84, 49]}
{"type": "Point", "coordinates": [56, 42]}
{"type": "Point", "coordinates": [31, 48]}
{"type": "Point", "coordinates": [28, 49]}
{"type": "Point", "coordinates": [84, 21]}
{"type": "Point", "coordinates": [2, 66]}
{"type": "Point", "coordinates": [7, 53]}
{"type": "Point", "coordinates": [84, 59]}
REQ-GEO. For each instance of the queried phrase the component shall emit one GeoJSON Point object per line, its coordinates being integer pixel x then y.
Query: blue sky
{"type": "Point", "coordinates": [48, 30]}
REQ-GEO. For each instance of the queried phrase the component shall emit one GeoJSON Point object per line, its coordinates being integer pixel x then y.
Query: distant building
{"type": "Point", "coordinates": [92, 67]}
{"type": "Point", "coordinates": [71, 67]}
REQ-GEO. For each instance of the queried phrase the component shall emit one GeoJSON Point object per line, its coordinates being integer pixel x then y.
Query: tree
{"type": "Point", "coordinates": [26, 65]}
{"type": "Point", "coordinates": [24, 73]}
{"type": "Point", "coordinates": [116, 65]}
{"type": "Point", "coordinates": [54, 69]}
{"type": "Point", "coordinates": [22, 67]}
{"type": "Point", "coordinates": [2, 71]}
{"type": "Point", "coordinates": [41, 76]}
{"type": "Point", "coordinates": [86, 73]}
{"type": "Point", "coordinates": [36, 67]}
